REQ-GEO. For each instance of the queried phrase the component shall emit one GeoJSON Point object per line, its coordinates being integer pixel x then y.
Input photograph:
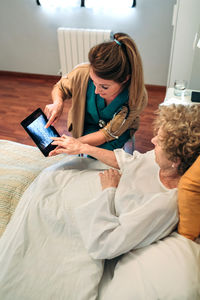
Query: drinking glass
{"type": "Point", "coordinates": [180, 87]}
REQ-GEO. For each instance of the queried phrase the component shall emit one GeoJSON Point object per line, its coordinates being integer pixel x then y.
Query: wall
{"type": "Point", "coordinates": [184, 61]}
{"type": "Point", "coordinates": [195, 74]}
{"type": "Point", "coordinates": [28, 34]}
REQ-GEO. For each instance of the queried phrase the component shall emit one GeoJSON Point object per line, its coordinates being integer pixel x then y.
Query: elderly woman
{"type": "Point", "coordinates": [68, 205]}
{"type": "Point", "coordinates": [140, 206]}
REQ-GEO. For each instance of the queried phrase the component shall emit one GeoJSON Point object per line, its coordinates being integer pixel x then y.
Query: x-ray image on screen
{"type": "Point", "coordinates": [41, 134]}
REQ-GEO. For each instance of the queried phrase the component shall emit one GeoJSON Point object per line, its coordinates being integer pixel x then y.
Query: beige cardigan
{"type": "Point", "coordinates": [74, 86]}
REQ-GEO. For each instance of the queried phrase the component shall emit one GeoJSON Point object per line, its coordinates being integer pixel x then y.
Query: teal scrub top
{"type": "Point", "coordinates": [96, 110]}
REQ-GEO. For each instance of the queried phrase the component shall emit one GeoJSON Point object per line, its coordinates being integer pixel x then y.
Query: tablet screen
{"type": "Point", "coordinates": [35, 127]}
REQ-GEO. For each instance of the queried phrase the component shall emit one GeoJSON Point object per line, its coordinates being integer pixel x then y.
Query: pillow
{"type": "Point", "coordinates": [189, 202]}
{"type": "Point", "coordinates": [19, 166]}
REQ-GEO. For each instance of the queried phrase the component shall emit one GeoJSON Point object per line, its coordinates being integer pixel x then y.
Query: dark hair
{"type": "Point", "coordinates": [115, 60]}
{"type": "Point", "coordinates": [109, 60]}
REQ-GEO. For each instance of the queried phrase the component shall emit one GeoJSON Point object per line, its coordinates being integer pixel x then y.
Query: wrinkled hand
{"type": "Point", "coordinates": [53, 113]}
{"type": "Point", "coordinates": [109, 178]}
{"type": "Point", "coordinates": [66, 144]}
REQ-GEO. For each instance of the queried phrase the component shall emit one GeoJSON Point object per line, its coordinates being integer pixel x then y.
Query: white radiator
{"type": "Point", "coordinates": [75, 43]}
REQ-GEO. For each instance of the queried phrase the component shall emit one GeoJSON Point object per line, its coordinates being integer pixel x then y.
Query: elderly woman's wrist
{"type": "Point", "coordinates": [84, 148]}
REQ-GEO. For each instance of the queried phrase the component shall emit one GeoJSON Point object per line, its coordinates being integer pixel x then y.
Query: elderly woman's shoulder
{"type": "Point", "coordinates": [147, 158]}
{"type": "Point", "coordinates": [149, 154]}
{"type": "Point", "coordinates": [127, 158]}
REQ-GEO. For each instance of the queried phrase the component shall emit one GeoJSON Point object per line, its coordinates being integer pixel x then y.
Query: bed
{"type": "Point", "coordinates": [166, 269]}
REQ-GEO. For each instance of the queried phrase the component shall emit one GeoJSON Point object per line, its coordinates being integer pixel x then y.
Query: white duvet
{"type": "Point", "coordinates": [43, 257]}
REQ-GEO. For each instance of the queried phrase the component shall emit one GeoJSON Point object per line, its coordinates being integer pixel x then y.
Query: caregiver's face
{"type": "Point", "coordinates": [107, 89]}
{"type": "Point", "coordinates": [160, 154]}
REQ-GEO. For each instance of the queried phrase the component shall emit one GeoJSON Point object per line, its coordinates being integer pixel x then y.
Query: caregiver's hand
{"type": "Point", "coordinates": [53, 112]}
{"type": "Point", "coordinates": [66, 144]}
{"type": "Point", "coordinates": [109, 178]}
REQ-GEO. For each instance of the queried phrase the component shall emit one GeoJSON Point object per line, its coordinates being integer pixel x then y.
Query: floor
{"type": "Point", "coordinates": [21, 95]}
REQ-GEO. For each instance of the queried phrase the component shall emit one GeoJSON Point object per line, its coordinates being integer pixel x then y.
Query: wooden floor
{"type": "Point", "coordinates": [20, 95]}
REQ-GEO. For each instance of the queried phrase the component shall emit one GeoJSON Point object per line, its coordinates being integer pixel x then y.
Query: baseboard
{"type": "Point", "coordinates": [152, 87]}
{"type": "Point", "coordinates": [28, 75]}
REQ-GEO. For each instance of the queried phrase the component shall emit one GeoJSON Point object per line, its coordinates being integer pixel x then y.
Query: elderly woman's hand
{"type": "Point", "coordinates": [109, 178]}
{"type": "Point", "coordinates": [66, 144]}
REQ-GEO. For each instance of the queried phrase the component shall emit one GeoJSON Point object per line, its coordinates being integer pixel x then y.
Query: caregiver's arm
{"type": "Point", "coordinates": [94, 139]}
{"type": "Point", "coordinates": [72, 146]}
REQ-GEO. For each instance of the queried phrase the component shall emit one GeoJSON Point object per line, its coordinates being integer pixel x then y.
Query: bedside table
{"type": "Point", "coordinates": [185, 99]}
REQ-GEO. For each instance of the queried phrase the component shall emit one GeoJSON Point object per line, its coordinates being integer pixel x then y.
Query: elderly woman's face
{"type": "Point", "coordinates": [107, 89]}
{"type": "Point", "coordinates": [160, 154]}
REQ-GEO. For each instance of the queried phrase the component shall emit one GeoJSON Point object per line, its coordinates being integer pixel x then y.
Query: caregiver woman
{"type": "Point", "coordinates": [108, 95]}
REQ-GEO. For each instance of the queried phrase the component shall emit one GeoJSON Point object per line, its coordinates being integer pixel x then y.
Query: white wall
{"type": "Point", "coordinates": [184, 61]}
{"type": "Point", "coordinates": [195, 74]}
{"type": "Point", "coordinates": [28, 34]}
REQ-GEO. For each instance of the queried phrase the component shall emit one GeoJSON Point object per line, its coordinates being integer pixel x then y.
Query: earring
{"type": "Point", "coordinates": [173, 165]}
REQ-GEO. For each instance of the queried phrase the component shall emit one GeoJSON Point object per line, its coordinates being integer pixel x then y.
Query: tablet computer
{"type": "Point", "coordinates": [34, 125]}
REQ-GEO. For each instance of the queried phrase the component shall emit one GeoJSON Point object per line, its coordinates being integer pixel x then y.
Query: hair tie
{"type": "Point", "coordinates": [117, 42]}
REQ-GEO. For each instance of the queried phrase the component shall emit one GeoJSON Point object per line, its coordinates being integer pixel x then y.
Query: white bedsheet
{"type": "Point", "coordinates": [42, 256]}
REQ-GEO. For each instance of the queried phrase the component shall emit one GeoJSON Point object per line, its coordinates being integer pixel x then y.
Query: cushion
{"type": "Point", "coordinates": [189, 202]}
{"type": "Point", "coordinates": [19, 166]}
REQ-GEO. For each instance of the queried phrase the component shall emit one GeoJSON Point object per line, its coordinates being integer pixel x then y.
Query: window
{"type": "Point", "coordinates": [109, 3]}
{"type": "Point", "coordinates": [88, 3]}
{"type": "Point", "coordinates": [58, 3]}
